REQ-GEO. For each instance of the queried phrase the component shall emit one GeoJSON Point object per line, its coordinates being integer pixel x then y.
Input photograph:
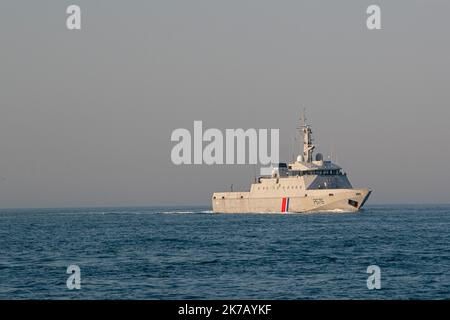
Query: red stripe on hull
{"type": "Point", "coordinates": [283, 205]}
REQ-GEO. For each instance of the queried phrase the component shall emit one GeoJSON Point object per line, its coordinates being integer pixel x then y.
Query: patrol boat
{"type": "Point", "coordinates": [306, 185]}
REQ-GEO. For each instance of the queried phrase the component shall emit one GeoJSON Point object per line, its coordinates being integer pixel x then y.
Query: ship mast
{"type": "Point", "coordinates": [308, 146]}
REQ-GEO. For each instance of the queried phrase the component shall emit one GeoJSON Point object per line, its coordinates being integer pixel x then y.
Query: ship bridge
{"type": "Point", "coordinates": [314, 166]}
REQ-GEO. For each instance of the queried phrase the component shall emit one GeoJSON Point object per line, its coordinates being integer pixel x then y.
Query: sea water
{"type": "Point", "coordinates": [191, 253]}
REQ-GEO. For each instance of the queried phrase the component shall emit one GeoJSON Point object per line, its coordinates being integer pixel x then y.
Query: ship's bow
{"type": "Point", "coordinates": [358, 198]}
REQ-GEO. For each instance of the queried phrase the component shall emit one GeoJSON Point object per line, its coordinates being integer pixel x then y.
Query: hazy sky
{"type": "Point", "coordinates": [86, 116]}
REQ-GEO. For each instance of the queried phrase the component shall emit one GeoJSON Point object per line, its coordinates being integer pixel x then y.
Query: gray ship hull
{"type": "Point", "coordinates": [347, 200]}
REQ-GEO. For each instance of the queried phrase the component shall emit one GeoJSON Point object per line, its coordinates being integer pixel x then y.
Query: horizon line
{"type": "Point", "coordinates": [199, 206]}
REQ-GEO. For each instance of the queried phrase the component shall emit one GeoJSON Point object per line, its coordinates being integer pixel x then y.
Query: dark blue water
{"type": "Point", "coordinates": [189, 253]}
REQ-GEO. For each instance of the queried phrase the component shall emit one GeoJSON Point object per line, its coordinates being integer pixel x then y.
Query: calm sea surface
{"type": "Point", "coordinates": [190, 253]}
